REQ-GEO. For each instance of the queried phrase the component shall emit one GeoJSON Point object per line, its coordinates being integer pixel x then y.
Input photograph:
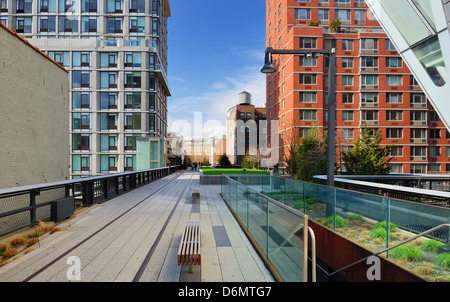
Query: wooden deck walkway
{"type": "Point", "coordinates": [135, 237]}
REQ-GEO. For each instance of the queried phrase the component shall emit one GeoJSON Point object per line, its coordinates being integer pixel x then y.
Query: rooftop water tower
{"type": "Point", "coordinates": [245, 98]}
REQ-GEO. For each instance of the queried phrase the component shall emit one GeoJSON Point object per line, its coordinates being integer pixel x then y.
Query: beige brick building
{"type": "Point", "coordinates": [34, 105]}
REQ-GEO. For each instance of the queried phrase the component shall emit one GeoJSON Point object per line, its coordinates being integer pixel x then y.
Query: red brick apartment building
{"type": "Point", "coordinates": [373, 84]}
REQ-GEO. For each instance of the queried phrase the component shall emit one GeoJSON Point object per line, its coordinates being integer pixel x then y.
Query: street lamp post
{"type": "Point", "coordinates": [270, 68]}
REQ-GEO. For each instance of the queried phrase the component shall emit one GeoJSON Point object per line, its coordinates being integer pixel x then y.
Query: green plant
{"type": "Point", "coordinates": [407, 252]}
{"type": "Point", "coordinates": [383, 224]}
{"type": "Point", "coordinates": [311, 200]}
{"type": "Point", "coordinates": [313, 23]}
{"type": "Point", "coordinates": [300, 205]}
{"type": "Point", "coordinates": [339, 221]}
{"type": "Point", "coordinates": [335, 26]}
{"type": "Point", "coordinates": [431, 246]}
{"type": "Point", "coordinates": [443, 260]}
{"type": "Point", "coordinates": [354, 217]}
{"type": "Point", "coordinates": [378, 233]}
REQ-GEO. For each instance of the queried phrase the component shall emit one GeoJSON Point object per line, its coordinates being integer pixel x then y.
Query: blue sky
{"type": "Point", "coordinates": [216, 51]}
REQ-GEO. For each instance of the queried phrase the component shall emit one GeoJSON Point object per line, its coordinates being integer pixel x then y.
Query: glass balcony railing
{"type": "Point", "coordinates": [373, 222]}
{"type": "Point", "coordinates": [280, 231]}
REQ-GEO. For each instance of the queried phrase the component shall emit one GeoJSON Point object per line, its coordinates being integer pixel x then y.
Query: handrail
{"type": "Point", "coordinates": [313, 253]}
{"type": "Point", "coordinates": [394, 246]}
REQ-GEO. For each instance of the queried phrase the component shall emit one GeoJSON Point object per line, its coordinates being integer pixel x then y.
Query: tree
{"type": "Point", "coordinates": [335, 26]}
{"type": "Point", "coordinates": [250, 161]}
{"type": "Point", "coordinates": [311, 157]}
{"type": "Point", "coordinates": [224, 161]}
{"type": "Point", "coordinates": [367, 157]}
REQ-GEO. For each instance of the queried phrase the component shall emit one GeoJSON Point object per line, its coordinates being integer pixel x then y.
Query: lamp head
{"type": "Point", "coordinates": [268, 65]}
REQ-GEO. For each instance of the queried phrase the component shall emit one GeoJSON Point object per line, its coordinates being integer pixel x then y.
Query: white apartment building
{"type": "Point", "coordinates": [116, 53]}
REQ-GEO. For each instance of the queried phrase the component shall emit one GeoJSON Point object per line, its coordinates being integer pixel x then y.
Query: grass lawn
{"type": "Point", "coordinates": [219, 171]}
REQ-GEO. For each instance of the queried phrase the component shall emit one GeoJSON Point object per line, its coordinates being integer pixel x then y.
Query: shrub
{"type": "Point", "coordinates": [9, 253]}
{"type": "Point", "coordinates": [32, 241]}
{"type": "Point", "coordinates": [300, 205]}
{"type": "Point", "coordinates": [54, 230]}
{"type": "Point", "coordinates": [379, 233]}
{"type": "Point", "coordinates": [407, 252]}
{"type": "Point", "coordinates": [340, 221]}
{"type": "Point", "coordinates": [354, 217]}
{"type": "Point", "coordinates": [4, 247]}
{"type": "Point", "coordinates": [311, 200]}
{"type": "Point", "coordinates": [443, 260]}
{"type": "Point", "coordinates": [383, 224]}
{"type": "Point", "coordinates": [431, 246]}
{"type": "Point", "coordinates": [18, 241]}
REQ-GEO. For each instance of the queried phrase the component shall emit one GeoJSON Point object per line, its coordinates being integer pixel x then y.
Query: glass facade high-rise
{"type": "Point", "coordinates": [419, 29]}
{"type": "Point", "coordinates": [116, 52]}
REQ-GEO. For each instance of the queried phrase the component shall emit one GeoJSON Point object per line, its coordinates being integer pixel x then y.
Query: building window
{"type": "Point", "coordinates": [108, 101]}
{"type": "Point", "coordinates": [435, 133]}
{"type": "Point", "coordinates": [308, 79]}
{"type": "Point", "coordinates": [307, 115]}
{"type": "Point", "coordinates": [434, 117]}
{"type": "Point", "coordinates": [394, 98]}
{"type": "Point", "coordinates": [394, 133]}
{"type": "Point", "coordinates": [133, 100]}
{"type": "Point", "coordinates": [418, 169]}
{"type": "Point", "coordinates": [133, 79]}
{"type": "Point", "coordinates": [394, 115]}
{"type": "Point", "coordinates": [342, 2]}
{"type": "Point", "coordinates": [347, 98]}
{"type": "Point", "coordinates": [394, 62]}
{"type": "Point", "coordinates": [88, 6]}
{"type": "Point", "coordinates": [308, 42]}
{"type": "Point", "coordinates": [344, 15]}
{"type": "Point", "coordinates": [108, 59]}
{"type": "Point", "coordinates": [396, 151]}
{"type": "Point", "coordinates": [89, 24]}
{"type": "Point", "coordinates": [81, 79]}
{"type": "Point", "coordinates": [114, 6]}
{"type": "Point", "coordinates": [369, 99]}
{"type": "Point", "coordinates": [369, 116]}
{"type": "Point", "coordinates": [3, 6]}
{"type": "Point", "coordinates": [47, 24]}
{"type": "Point", "coordinates": [369, 45]}
{"type": "Point", "coordinates": [347, 115]}
{"type": "Point", "coordinates": [23, 25]}
{"type": "Point", "coordinates": [418, 100]}
{"type": "Point", "coordinates": [114, 25]}
{"type": "Point", "coordinates": [68, 25]}
{"type": "Point", "coordinates": [389, 45]}
{"type": "Point", "coordinates": [81, 100]}
{"type": "Point", "coordinates": [137, 24]}
{"type": "Point", "coordinates": [347, 45]}
{"type": "Point", "coordinates": [347, 80]}
{"type": "Point", "coordinates": [132, 121]}
{"type": "Point", "coordinates": [81, 59]}
{"type": "Point", "coordinates": [435, 151]}
{"type": "Point", "coordinates": [132, 59]}
{"type": "Point", "coordinates": [302, 14]}
{"type": "Point", "coordinates": [80, 142]}
{"type": "Point", "coordinates": [323, 16]}
{"type": "Point", "coordinates": [360, 17]}
{"type": "Point", "coordinates": [369, 64]}
{"type": "Point", "coordinates": [137, 6]}
{"type": "Point", "coordinates": [308, 62]}
{"type": "Point", "coordinates": [308, 97]}
{"type": "Point", "coordinates": [394, 80]}
{"type": "Point", "coordinates": [418, 117]}
{"type": "Point", "coordinates": [369, 81]}
{"type": "Point", "coordinates": [347, 62]}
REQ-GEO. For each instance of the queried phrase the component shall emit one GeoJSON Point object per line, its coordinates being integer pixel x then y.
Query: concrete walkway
{"type": "Point", "coordinates": [111, 241]}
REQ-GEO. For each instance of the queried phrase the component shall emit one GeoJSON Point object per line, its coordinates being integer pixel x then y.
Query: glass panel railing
{"type": "Point", "coordinates": [278, 230]}
{"type": "Point", "coordinates": [371, 221]}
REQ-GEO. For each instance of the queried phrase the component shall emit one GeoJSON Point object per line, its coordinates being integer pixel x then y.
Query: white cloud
{"type": "Point", "coordinates": [215, 101]}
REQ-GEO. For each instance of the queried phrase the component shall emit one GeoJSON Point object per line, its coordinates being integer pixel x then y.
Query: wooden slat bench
{"type": "Point", "coordinates": [189, 251]}
{"type": "Point", "coordinates": [196, 194]}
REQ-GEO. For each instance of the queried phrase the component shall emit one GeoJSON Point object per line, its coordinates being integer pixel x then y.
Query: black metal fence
{"type": "Point", "coordinates": [23, 206]}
